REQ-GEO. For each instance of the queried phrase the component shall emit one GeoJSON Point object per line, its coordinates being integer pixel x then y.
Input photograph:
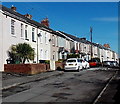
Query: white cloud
{"type": "Point", "coordinates": [107, 19]}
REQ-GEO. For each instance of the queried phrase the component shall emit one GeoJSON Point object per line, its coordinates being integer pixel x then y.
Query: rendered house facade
{"type": "Point", "coordinates": [48, 44]}
{"type": "Point", "coordinates": [15, 28]}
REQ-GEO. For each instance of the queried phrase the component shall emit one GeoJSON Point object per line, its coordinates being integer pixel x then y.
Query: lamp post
{"type": "Point", "coordinates": [91, 40]}
{"type": "Point", "coordinates": [38, 35]}
{"type": "Point", "coordinates": [52, 60]}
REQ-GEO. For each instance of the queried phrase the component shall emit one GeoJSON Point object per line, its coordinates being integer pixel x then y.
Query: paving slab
{"type": "Point", "coordinates": [20, 97]}
{"type": "Point", "coordinates": [26, 79]}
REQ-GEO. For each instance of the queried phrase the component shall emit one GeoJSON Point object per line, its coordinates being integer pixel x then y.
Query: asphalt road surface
{"type": "Point", "coordinates": [81, 87]}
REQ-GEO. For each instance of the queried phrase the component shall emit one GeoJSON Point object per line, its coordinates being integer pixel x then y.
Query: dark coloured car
{"type": "Point", "coordinates": [110, 64]}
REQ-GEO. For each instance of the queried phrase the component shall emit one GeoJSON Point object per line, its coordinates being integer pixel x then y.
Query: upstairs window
{"type": "Point", "coordinates": [45, 38]}
{"type": "Point", "coordinates": [26, 32]}
{"type": "Point", "coordinates": [21, 30]}
{"type": "Point", "coordinates": [12, 27]}
{"type": "Point", "coordinates": [53, 40]}
{"type": "Point", "coordinates": [56, 41]}
{"type": "Point", "coordinates": [33, 34]}
{"type": "Point", "coordinates": [41, 37]}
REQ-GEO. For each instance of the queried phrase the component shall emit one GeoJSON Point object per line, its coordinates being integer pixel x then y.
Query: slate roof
{"type": "Point", "coordinates": [35, 23]}
{"type": "Point", "coordinates": [39, 25]}
{"type": "Point", "coordinates": [25, 18]}
{"type": "Point", "coordinates": [71, 36]}
{"type": "Point", "coordinates": [84, 41]}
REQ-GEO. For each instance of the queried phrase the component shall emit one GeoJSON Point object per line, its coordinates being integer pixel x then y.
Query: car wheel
{"type": "Point", "coordinates": [78, 69]}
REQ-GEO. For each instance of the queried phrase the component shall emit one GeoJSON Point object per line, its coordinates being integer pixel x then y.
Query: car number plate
{"type": "Point", "coordinates": [70, 64]}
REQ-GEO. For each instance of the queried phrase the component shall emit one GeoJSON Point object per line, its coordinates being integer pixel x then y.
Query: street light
{"type": "Point", "coordinates": [38, 35]}
{"type": "Point", "coordinates": [91, 40]}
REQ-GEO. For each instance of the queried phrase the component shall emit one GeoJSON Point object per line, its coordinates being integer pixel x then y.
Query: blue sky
{"type": "Point", "coordinates": [76, 18]}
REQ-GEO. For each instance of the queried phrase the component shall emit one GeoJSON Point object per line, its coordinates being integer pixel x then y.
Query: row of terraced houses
{"type": "Point", "coordinates": [48, 44]}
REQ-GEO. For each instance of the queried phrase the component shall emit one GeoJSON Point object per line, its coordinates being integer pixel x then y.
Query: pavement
{"type": "Point", "coordinates": [10, 80]}
{"type": "Point", "coordinates": [107, 95]}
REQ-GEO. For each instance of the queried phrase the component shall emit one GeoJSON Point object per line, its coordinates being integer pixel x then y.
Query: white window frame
{"type": "Point", "coordinates": [53, 39]}
{"type": "Point", "coordinates": [22, 31]}
{"type": "Point", "coordinates": [41, 53]}
{"type": "Point", "coordinates": [57, 41]}
{"type": "Point", "coordinates": [45, 37]}
{"type": "Point", "coordinates": [13, 27]}
{"type": "Point", "coordinates": [41, 41]}
{"type": "Point", "coordinates": [26, 32]}
{"type": "Point", "coordinates": [46, 54]}
{"type": "Point", "coordinates": [33, 34]}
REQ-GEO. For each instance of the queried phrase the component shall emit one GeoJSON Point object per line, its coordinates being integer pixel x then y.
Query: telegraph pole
{"type": "Point", "coordinates": [91, 41]}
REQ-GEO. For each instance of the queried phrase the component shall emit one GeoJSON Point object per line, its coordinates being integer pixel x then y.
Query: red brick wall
{"type": "Point", "coordinates": [26, 68]}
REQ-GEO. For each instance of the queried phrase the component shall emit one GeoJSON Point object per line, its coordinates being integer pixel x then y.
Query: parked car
{"type": "Point", "coordinates": [85, 64]}
{"type": "Point", "coordinates": [110, 64]}
{"type": "Point", "coordinates": [94, 62]}
{"type": "Point", "coordinates": [73, 64]}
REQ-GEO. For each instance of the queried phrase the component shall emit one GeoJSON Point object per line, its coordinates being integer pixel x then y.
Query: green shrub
{"type": "Point", "coordinates": [73, 56]}
{"type": "Point", "coordinates": [47, 61]}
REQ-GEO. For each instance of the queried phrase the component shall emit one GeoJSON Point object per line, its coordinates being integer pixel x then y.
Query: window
{"type": "Point", "coordinates": [26, 32]}
{"type": "Point", "coordinates": [40, 36]}
{"type": "Point", "coordinates": [53, 40]}
{"type": "Point", "coordinates": [12, 27]}
{"type": "Point", "coordinates": [45, 37]}
{"type": "Point", "coordinates": [33, 34]}
{"type": "Point", "coordinates": [56, 41]}
{"type": "Point", "coordinates": [41, 53]}
{"type": "Point", "coordinates": [46, 54]}
{"type": "Point", "coordinates": [21, 30]}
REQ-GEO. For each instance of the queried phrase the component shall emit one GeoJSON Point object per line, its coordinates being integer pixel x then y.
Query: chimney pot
{"type": "Point", "coordinates": [13, 8]}
{"type": "Point", "coordinates": [45, 22]}
{"type": "Point", "coordinates": [28, 16]}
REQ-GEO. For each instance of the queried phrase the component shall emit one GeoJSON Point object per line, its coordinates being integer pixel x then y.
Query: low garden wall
{"type": "Point", "coordinates": [26, 68]}
{"type": "Point", "coordinates": [31, 68]}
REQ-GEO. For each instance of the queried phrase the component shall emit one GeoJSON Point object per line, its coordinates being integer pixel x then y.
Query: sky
{"type": "Point", "coordinates": [75, 18]}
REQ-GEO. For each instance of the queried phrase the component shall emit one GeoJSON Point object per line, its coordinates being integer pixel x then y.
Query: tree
{"type": "Point", "coordinates": [21, 52]}
{"type": "Point", "coordinates": [73, 56]}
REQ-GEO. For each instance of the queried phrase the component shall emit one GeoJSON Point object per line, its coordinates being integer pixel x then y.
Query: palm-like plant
{"type": "Point", "coordinates": [21, 52]}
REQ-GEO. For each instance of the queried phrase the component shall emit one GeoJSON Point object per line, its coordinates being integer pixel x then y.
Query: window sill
{"type": "Point", "coordinates": [27, 39]}
{"type": "Point", "coordinates": [33, 41]}
{"type": "Point", "coordinates": [22, 38]}
{"type": "Point", "coordinates": [41, 42]}
{"type": "Point", "coordinates": [14, 36]}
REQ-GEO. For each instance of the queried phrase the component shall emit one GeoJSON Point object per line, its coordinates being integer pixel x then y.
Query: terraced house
{"type": "Point", "coordinates": [48, 44]}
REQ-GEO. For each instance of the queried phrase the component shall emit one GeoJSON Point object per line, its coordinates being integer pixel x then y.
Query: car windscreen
{"type": "Point", "coordinates": [92, 61]}
{"type": "Point", "coordinates": [71, 60]}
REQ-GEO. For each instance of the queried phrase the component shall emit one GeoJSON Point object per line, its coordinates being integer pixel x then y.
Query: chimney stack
{"type": "Point", "coordinates": [82, 38]}
{"type": "Point", "coordinates": [13, 8]}
{"type": "Point", "coordinates": [106, 45]}
{"type": "Point", "coordinates": [45, 22]}
{"type": "Point", "coordinates": [28, 16]}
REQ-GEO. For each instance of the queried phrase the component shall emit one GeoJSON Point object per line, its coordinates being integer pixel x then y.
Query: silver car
{"type": "Point", "coordinates": [110, 64]}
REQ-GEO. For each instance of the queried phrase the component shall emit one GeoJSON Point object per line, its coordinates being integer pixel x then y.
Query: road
{"type": "Point", "coordinates": [82, 87]}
